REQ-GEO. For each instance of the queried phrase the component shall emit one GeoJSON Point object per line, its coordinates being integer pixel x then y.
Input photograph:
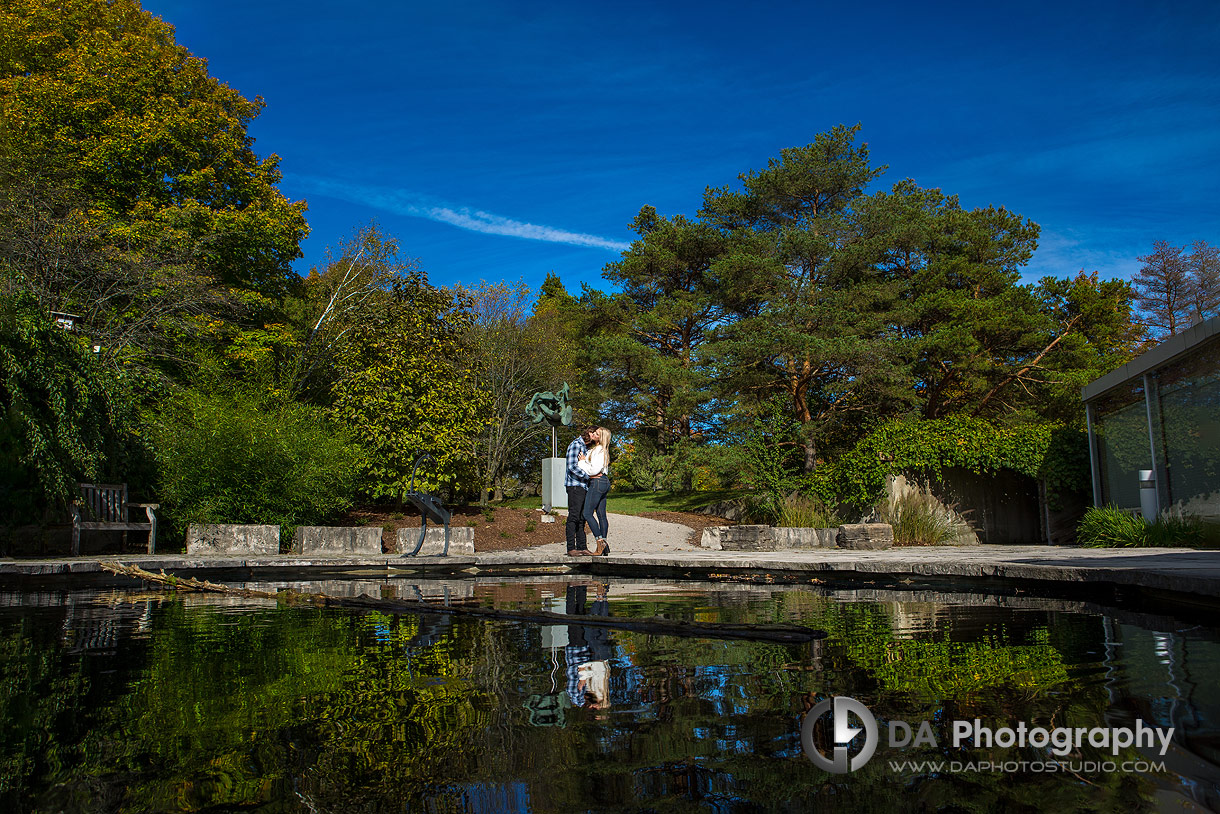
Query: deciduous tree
{"type": "Point", "coordinates": [131, 183]}
{"type": "Point", "coordinates": [405, 387]}
{"type": "Point", "coordinates": [516, 351]}
{"type": "Point", "coordinates": [331, 303]}
{"type": "Point", "coordinates": [63, 417]}
{"type": "Point", "coordinates": [1162, 286]}
{"type": "Point", "coordinates": [1204, 289]}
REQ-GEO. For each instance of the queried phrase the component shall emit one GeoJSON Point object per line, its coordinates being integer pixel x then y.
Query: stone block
{"type": "Point", "coordinates": [224, 539]}
{"type": "Point", "coordinates": [710, 538]}
{"type": "Point", "coordinates": [794, 538]}
{"type": "Point", "coordinates": [728, 509]}
{"type": "Point", "coordinates": [461, 540]}
{"type": "Point", "coordinates": [337, 541]}
{"type": "Point", "coordinates": [746, 538]}
{"type": "Point", "coordinates": [866, 536]}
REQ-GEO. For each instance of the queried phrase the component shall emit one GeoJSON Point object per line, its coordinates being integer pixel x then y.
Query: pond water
{"type": "Point", "coordinates": [122, 700]}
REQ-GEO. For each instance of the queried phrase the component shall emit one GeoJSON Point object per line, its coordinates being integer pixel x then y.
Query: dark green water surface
{"type": "Point", "coordinates": [133, 701]}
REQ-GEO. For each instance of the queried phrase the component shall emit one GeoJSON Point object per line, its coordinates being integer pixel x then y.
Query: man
{"type": "Point", "coordinates": [577, 484]}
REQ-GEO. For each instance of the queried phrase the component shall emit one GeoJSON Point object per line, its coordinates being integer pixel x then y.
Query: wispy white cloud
{"type": "Point", "coordinates": [1109, 252]}
{"type": "Point", "coordinates": [476, 220]}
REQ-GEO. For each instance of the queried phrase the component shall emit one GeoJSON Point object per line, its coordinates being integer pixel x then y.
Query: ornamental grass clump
{"type": "Point", "coordinates": [918, 519]}
{"type": "Point", "coordinates": [1111, 527]}
{"type": "Point", "coordinates": [798, 511]}
{"type": "Point", "coordinates": [1175, 532]}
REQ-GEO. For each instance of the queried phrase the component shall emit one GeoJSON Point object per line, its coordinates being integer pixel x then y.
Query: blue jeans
{"type": "Point", "coordinates": [595, 506]}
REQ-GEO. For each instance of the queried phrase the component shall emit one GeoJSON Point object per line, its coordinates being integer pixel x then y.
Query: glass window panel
{"type": "Point", "coordinates": [1120, 431]}
{"type": "Point", "coordinates": [1122, 451]}
{"type": "Point", "coordinates": [1190, 430]}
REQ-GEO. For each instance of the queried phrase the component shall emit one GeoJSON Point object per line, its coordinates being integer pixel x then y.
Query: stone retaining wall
{"type": "Point", "coordinates": [223, 539]}
{"type": "Point", "coordinates": [789, 538]}
{"type": "Point", "coordinates": [461, 540]}
{"type": "Point", "coordinates": [865, 536]}
{"type": "Point", "coordinates": [337, 541]}
{"type": "Point", "coordinates": [770, 538]}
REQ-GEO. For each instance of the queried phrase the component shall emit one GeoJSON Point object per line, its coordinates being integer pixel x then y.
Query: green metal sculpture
{"type": "Point", "coordinates": [553, 408]}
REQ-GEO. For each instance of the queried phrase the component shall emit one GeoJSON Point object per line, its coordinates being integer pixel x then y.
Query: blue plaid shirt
{"type": "Point", "coordinates": [574, 476]}
{"type": "Point", "coordinates": [574, 656]}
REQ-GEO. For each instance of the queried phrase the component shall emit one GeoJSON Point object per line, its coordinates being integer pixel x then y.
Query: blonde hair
{"type": "Point", "coordinates": [603, 437]}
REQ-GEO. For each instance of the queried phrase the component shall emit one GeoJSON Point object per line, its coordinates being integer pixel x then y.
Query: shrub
{"type": "Point", "coordinates": [1174, 532]}
{"type": "Point", "coordinates": [770, 469]}
{"type": "Point", "coordinates": [233, 459]}
{"type": "Point", "coordinates": [1055, 454]}
{"type": "Point", "coordinates": [63, 417]}
{"type": "Point", "coordinates": [1110, 527]}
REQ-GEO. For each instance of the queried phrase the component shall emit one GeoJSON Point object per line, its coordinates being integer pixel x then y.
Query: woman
{"type": "Point", "coordinates": [596, 464]}
{"type": "Point", "coordinates": [595, 682]}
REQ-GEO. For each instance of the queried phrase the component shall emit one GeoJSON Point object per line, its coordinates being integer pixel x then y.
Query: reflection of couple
{"type": "Point", "coordinates": [588, 482]}
{"type": "Point", "coordinates": [588, 652]}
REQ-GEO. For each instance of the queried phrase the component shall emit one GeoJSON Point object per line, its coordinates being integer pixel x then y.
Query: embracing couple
{"type": "Point", "coordinates": [588, 482]}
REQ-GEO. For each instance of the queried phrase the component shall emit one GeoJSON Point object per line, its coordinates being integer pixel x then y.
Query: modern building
{"type": "Point", "coordinates": [1157, 419]}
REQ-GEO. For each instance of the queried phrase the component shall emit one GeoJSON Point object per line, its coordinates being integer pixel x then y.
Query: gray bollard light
{"type": "Point", "coordinates": [1149, 507]}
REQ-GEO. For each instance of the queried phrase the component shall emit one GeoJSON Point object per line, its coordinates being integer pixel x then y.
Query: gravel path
{"type": "Point", "coordinates": [631, 535]}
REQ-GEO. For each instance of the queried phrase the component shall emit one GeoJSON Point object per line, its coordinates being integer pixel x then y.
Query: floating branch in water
{"type": "Point", "coordinates": [786, 634]}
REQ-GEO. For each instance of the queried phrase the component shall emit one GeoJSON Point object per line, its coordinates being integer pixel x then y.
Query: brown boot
{"type": "Point", "coordinates": [602, 549]}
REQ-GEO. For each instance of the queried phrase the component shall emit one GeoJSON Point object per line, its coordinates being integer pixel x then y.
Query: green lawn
{"type": "Point", "coordinates": [639, 502]}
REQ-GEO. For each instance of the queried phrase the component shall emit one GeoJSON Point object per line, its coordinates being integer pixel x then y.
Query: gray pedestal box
{"type": "Point", "coordinates": [1150, 506]}
{"type": "Point", "coordinates": [554, 495]}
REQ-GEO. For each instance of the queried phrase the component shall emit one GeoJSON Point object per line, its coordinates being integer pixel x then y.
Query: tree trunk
{"type": "Point", "coordinates": [797, 386]}
{"type": "Point", "coordinates": [688, 475]}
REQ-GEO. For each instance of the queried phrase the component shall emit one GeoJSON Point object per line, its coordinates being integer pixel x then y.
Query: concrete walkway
{"type": "Point", "coordinates": [639, 543]}
{"type": "Point", "coordinates": [643, 547]}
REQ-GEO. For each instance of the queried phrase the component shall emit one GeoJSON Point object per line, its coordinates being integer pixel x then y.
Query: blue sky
{"type": "Point", "coordinates": [500, 141]}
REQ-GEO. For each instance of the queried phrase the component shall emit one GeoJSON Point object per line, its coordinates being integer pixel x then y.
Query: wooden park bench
{"type": "Point", "coordinates": [104, 507]}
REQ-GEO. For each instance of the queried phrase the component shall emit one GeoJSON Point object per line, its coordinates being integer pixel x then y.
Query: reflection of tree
{"type": "Point", "coordinates": [305, 709]}
{"type": "Point", "coordinates": [44, 693]}
{"type": "Point", "coordinates": [1123, 439]}
{"type": "Point", "coordinates": [1190, 429]}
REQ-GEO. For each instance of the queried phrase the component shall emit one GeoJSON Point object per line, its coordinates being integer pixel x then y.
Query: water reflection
{"type": "Point", "coordinates": [137, 701]}
{"type": "Point", "coordinates": [587, 652]}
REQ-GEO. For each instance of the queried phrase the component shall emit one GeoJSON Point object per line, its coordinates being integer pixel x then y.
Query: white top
{"type": "Point", "coordinates": [597, 463]}
{"type": "Point", "coordinates": [596, 677]}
